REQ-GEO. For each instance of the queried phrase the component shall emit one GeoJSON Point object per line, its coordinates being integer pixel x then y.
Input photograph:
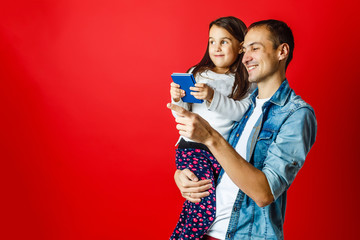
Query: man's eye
{"type": "Point", "coordinates": [255, 48]}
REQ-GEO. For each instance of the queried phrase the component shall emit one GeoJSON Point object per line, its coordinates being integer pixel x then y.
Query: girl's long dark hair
{"type": "Point", "coordinates": [237, 29]}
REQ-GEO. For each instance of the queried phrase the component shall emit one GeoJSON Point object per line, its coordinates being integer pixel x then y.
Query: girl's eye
{"type": "Point", "coordinates": [212, 42]}
{"type": "Point", "coordinates": [224, 42]}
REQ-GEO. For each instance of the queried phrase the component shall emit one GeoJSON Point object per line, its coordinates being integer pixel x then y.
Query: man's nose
{"type": "Point", "coordinates": [246, 57]}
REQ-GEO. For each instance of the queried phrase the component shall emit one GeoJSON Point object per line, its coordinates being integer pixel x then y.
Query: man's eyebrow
{"type": "Point", "coordinates": [253, 43]}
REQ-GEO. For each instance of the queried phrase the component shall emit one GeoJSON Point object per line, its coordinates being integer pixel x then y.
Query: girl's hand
{"type": "Point", "coordinates": [176, 92]}
{"type": "Point", "coordinates": [203, 92]}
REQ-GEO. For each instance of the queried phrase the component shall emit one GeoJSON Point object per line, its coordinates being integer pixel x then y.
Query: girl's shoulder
{"type": "Point", "coordinates": [211, 75]}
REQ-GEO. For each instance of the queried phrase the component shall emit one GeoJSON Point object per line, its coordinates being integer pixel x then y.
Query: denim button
{"type": "Point", "coordinates": [229, 235]}
{"type": "Point", "coordinates": [237, 135]}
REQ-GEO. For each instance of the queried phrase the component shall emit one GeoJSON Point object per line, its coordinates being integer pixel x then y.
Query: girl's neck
{"type": "Point", "coordinates": [220, 70]}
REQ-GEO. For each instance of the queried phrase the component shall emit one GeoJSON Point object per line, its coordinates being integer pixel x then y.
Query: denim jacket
{"type": "Point", "coordinates": [278, 145]}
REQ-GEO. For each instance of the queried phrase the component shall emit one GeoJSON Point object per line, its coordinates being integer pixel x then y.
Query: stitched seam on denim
{"type": "Point", "coordinates": [234, 218]}
{"type": "Point", "coordinates": [266, 222]}
{"type": "Point", "coordinates": [252, 218]}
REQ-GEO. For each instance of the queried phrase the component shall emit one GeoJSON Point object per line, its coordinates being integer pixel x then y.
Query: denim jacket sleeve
{"type": "Point", "coordinates": [287, 153]}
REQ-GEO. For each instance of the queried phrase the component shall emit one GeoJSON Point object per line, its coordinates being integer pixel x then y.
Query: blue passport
{"type": "Point", "coordinates": [186, 80]}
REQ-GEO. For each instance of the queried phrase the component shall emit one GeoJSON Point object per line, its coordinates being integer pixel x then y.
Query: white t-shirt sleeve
{"type": "Point", "coordinates": [228, 107]}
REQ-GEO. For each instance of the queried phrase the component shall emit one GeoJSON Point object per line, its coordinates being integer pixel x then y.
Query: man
{"type": "Point", "coordinates": [266, 149]}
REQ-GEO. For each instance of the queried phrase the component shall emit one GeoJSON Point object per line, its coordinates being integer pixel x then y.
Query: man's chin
{"type": "Point", "coordinates": [252, 80]}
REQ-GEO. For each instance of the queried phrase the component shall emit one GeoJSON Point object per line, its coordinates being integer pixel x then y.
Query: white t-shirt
{"type": "Point", "coordinates": [226, 190]}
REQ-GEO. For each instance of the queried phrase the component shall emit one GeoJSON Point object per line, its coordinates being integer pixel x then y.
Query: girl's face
{"type": "Point", "coordinates": [223, 49]}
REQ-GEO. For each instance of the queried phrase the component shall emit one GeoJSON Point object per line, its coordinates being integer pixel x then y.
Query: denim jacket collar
{"type": "Point", "coordinates": [280, 96]}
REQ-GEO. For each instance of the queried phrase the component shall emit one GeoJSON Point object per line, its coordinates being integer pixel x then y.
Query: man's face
{"type": "Point", "coordinates": [260, 58]}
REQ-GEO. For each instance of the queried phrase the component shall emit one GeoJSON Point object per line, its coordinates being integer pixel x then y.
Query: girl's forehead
{"type": "Point", "coordinates": [216, 31]}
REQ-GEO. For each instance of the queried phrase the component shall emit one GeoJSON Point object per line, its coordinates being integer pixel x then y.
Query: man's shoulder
{"type": "Point", "coordinates": [295, 103]}
{"type": "Point", "coordinates": [285, 100]}
{"type": "Point", "coordinates": [289, 106]}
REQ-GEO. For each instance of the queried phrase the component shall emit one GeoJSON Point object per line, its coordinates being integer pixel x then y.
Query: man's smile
{"type": "Point", "coordinates": [251, 67]}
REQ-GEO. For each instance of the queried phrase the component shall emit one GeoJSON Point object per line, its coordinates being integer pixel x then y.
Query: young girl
{"type": "Point", "coordinates": [222, 84]}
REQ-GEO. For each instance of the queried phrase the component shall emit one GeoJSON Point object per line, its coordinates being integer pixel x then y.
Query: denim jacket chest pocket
{"type": "Point", "coordinates": [265, 138]}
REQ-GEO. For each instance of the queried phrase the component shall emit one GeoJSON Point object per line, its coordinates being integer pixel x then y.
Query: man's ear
{"type": "Point", "coordinates": [284, 50]}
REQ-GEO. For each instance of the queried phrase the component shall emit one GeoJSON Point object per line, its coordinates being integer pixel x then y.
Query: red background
{"type": "Point", "coordinates": [87, 143]}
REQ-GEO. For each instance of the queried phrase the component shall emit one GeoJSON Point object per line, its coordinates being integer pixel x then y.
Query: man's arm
{"type": "Point", "coordinates": [287, 154]}
{"type": "Point", "coordinates": [250, 180]}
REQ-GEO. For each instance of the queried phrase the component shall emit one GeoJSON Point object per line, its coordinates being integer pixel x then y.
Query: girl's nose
{"type": "Point", "coordinates": [218, 47]}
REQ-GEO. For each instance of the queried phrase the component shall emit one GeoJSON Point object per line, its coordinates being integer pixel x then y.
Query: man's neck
{"type": "Point", "coordinates": [269, 86]}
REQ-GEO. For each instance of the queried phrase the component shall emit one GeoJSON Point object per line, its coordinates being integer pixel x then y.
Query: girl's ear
{"type": "Point", "coordinates": [241, 47]}
{"type": "Point", "coordinates": [284, 50]}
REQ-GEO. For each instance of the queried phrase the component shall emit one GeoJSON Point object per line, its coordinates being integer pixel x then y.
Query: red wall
{"type": "Point", "coordinates": [87, 143]}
